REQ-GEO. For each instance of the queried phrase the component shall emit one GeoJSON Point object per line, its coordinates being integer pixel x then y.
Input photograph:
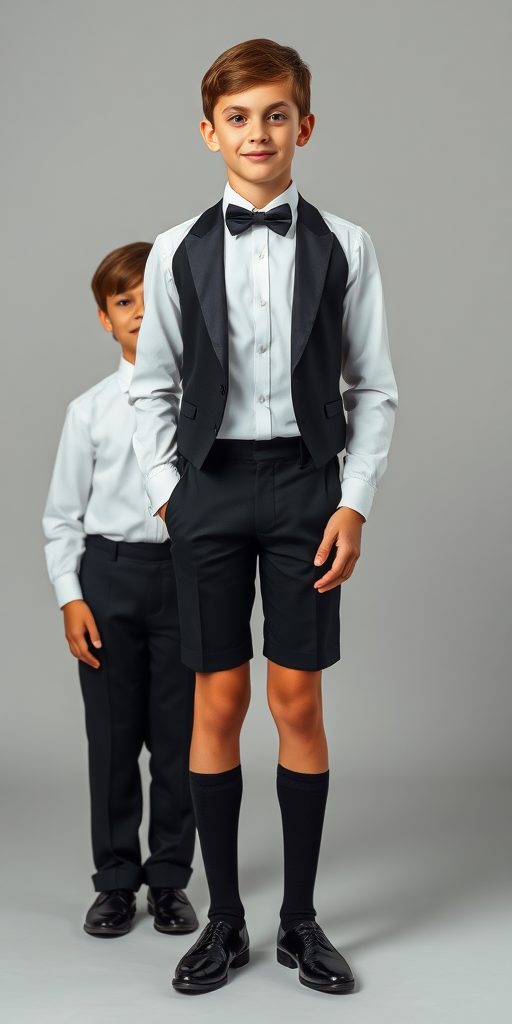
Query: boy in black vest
{"type": "Point", "coordinates": [255, 312]}
{"type": "Point", "coordinates": [111, 567]}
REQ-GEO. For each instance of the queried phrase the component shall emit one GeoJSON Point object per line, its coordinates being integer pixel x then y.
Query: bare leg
{"type": "Point", "coordinates": [221, 703]}
{"type": "Point", "coordinates": [295, 701]}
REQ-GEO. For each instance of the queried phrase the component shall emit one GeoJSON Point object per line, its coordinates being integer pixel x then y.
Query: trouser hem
{"type": "Point", "coordinates": [302, 662]}
{"type": "Point", "coordinates": [118, 878]}
{"type": "Point", "coordinates": [167, 876]}
{"type": "Point", "coordinates": [219, 661]}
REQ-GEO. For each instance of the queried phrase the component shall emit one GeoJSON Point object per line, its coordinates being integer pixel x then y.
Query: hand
{"type": "Point", "coordinates": [79, 620]}
{"type": "Point", "coordinates": [161, 511]}
{"type": "Point", "coordinates": [344, 529]}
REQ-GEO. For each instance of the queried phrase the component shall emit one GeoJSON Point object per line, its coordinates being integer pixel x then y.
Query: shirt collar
{"type": "Point", "coordinates": [124, 374]}
{"type": "Point", "coordinates": [290, 196]}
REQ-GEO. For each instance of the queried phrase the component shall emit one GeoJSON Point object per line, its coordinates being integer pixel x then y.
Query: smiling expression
{"type": "Point", "coordinates": [256, 132]}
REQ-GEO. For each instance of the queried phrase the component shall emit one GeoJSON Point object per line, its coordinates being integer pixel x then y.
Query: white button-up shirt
{"type": "Point", "coordinates": [96, 484]}
{"type": "Point", "coordinates": [259, 275]}
{"type": "Point", "coordinates": [259, 403]}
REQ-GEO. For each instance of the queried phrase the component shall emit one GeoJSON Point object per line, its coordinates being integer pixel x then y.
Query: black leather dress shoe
{"type": "Point", "coordinates": [171, 910]}
{"type": "Point", "coordinates": [111, 914]}
{"type": "Point", "coordinates": [205, 967]}
{"type": "Point", "coordinates": [320, 965]}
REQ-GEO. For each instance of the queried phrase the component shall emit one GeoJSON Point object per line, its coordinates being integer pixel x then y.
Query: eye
{"type": "Point", "coordinates": [237, 119]}
{"type": "Point", "coordinates": [123, 302]}
{"type": "Point", "coordinates": [277, 116]}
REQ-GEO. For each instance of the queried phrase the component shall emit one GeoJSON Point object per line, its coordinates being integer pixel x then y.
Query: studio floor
{"type": "Point", "coordinates": [414, 888]}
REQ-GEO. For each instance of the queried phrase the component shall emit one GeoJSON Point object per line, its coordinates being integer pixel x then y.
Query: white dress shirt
{"type": "Point", "coordinates": [96, 484]}
{"type": "Point", "coordinates": [259, 402]}
{"type": "Point", "coordinates": [259, 274]}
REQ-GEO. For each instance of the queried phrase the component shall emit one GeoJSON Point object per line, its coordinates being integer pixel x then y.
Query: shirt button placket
{"type": "Point", "coordinates": [261, 333]}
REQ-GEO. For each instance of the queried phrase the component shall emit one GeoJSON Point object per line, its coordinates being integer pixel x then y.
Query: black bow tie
{"type": "Point", "coordinates": [239, 219]}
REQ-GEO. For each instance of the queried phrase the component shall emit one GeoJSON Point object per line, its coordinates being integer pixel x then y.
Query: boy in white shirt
{"type": "Point", "coordinates": [260, 313]}
{"type": "Point", "coordinates": [111, 567]}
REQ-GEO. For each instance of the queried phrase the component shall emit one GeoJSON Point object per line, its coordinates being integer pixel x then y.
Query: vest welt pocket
{"type": "Point", "coordinates": [188, 410]}
{"type": "Point", "coordinates": [333, 408]}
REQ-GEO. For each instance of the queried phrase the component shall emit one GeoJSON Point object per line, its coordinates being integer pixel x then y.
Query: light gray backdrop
{"type": "Point", "coordinates": [101, 105]}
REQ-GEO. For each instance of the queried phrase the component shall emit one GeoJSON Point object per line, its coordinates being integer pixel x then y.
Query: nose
{"type": "Point", "coordinates": [259, 132]}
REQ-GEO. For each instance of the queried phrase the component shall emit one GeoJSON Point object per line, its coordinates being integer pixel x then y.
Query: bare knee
{"type": "Point", "coordinates": [295, 702]}
{"type": "Point", "coordinates": [297, 714]}
{"type": "Point", "coordinates": [221, 701]}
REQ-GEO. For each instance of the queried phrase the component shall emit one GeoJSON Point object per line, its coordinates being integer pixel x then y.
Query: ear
{"type": "Point", "coordinates": [208, 132]}
{"type": "Point", "coordinates": [305, 129]}
{"type": "Point", "coordinates": [105, 320]}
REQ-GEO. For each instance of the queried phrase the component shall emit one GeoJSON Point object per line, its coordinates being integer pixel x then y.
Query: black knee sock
{"type": "Point", "coordinates": [217, 800]}
{"type": "Point", "coordinates": [302, 799]}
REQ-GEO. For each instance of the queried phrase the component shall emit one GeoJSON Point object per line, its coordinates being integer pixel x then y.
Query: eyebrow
{"type": "Point", "coordinates": [246, 110]}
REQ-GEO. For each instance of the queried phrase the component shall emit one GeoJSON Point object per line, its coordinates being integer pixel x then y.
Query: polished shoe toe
{"type": "Point", "coordinates": [320, 965]}
{"type": "Point", "coordinates": [206, 965]}
{"type": "Point", "coordinates": [172, 911]}
{"type": "Point", "coordinates": [111, 914]}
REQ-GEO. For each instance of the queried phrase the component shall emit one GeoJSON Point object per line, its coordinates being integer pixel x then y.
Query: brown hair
{"type": "Point", "coordinates": [121, 269]}
{"type": "Point", "coordinates": [252, 63]}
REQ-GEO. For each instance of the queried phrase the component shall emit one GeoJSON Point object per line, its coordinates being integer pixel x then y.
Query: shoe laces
{"type": "Point", "coordinates": [215, 932]}
{"type": "Point", "coordinates": [310, 932]}
{"type": "Point", "coordinates": [123, 894]}
{"type": "Point", "coordinates": [166, 891]}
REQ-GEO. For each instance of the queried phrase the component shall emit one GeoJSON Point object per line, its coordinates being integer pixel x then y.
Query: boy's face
{"type": "Point", "coordinates": [124, 317]}
{"type": "Point", "coordinates": [257, 131]}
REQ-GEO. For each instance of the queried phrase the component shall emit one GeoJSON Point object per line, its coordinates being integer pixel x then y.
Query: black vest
{"type": "Point", "coordinates": [321, 272]}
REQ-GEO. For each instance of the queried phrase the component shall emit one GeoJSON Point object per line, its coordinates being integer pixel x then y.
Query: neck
{"type": "Point", "coordinates": [260, 194]}
{"type": "Point", "coordinates": [128, 355]}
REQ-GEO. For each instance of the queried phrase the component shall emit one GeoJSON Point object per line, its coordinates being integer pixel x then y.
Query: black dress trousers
{"type": "Point", "coordinates": [141, 694]}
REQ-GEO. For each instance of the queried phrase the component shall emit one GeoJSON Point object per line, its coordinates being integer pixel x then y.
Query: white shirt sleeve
{"type": "Point", "coordinates": [370, 398]}
{"type": "Point", "coordinates": [63, 520]}
{"type": "Point", "coordinates": [155, 390]}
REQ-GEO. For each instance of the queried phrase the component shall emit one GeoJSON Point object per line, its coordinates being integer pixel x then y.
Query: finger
{"type": "Point", "coordinates": [73, 648]}
{"type": "Point", "coordinates": [342, 578]}
{"type": "Point", "coordinates": [325, 547]}
{"type": "Point", "coordinates": [92, 630]}
{"type": "Point", "coordinates": [89, 659]}
{"type": "Point", "coordinates": [82, 652]}
{"type": "Point", "coordinates": [337, 568]}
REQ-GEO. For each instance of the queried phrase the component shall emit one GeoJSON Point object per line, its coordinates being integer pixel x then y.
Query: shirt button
{"type": "Point", "coordinates": [262, 350]}
{"type": "Point", "coordinates": [261, 399]}
{"type": "Point", "coordinates": [262, 256]}
{"type": "Point", "coordinates": [263, 302]}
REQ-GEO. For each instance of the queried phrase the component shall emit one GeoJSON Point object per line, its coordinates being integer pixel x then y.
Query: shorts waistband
{"type": "Point", "coordinates": [275, 448]}
{"type": "Point", "coordinates": [143, 552]}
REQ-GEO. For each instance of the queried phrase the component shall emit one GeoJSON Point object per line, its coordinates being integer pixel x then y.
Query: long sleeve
{"type": "Point", "coordinates": [63, 520]}
{"type": "Point", "coordinates": [370, 398]}
{"type": "Point", "coordinates": [156, 385]}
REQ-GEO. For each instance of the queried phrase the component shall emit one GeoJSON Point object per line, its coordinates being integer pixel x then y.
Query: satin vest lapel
{"type": "Point", "coordinates": [205, 248]}
{"type": "Point", "coordinates": [312, 255]}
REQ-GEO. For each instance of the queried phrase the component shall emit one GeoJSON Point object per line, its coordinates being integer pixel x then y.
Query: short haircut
{"type": "Point", "coordinates": [253, 63]}
{"type": "Point", "coordinates": [121, 269]}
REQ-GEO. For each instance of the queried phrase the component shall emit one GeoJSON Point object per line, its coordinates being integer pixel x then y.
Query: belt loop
{"type": "Point", "coordinates": [303, 453]}
{"type": "Point", "coordinates": [115, 550]}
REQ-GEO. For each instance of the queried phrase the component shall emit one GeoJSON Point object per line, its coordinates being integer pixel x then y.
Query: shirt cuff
{"type": "Point", "coordinates": [160, 486]}
{"type": "Point", "coordinates": [357, 494]}
{"type": "Point", "coordinates": [67, 588]}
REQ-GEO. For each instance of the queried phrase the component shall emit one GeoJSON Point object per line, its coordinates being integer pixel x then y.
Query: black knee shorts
{"type": "Point", "coordinates": [254, 500]}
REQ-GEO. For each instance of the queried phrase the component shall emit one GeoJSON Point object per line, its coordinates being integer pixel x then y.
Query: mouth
{"type": "Point", "coordinates": [256, 156]}
{"type": "Point", "coordinates": [135, 330]}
